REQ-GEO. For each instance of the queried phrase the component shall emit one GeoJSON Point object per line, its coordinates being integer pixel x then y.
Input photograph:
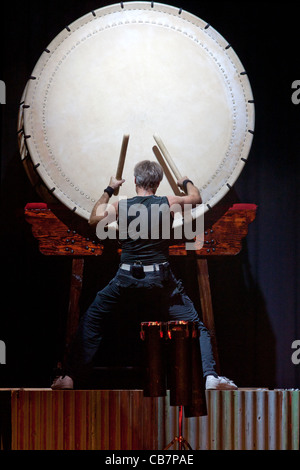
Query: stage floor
{"type": "Point", "coordinates": [246, 419]}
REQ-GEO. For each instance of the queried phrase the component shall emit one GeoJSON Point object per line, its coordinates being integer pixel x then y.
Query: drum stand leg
{"type": "Point", "coordinates": [183, 444]}
{"type": "Point", "coordinates": [206, 305]}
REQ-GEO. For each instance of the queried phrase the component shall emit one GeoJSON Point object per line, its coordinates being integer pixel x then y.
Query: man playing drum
{"type": "Point", "coordinates": [144, 268]}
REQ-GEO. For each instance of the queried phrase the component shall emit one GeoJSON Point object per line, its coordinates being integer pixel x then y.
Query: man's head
{"type": "Point", "coordinates": [148, 175]}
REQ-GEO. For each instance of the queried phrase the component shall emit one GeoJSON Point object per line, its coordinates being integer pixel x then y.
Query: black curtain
{"type": "Point", "coordinates": [256, 294]}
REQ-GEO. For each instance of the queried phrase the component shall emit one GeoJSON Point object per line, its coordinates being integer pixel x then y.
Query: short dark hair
{"type": "Point", "coordinates": [148, 174]}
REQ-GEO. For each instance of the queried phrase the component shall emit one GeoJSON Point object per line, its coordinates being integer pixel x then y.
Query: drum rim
{"type": "Point", "coordinates": [154, 323]}
{"type": "Point", "coordinates": [181, 323]}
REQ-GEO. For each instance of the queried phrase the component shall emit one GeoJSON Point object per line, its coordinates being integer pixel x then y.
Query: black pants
{"type": "Point", "coordinates": [169, 301]}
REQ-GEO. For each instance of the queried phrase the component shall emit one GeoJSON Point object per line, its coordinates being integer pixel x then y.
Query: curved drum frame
{"type": "Point", "coordinates": [141, 69]}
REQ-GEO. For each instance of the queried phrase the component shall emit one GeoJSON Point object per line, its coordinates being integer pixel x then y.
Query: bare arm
{"type": "Point", "coordinates": [102, 208]}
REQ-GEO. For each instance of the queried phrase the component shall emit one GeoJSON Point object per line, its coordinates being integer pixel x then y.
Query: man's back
{"type": "Point", "coordinates": [145, 225]}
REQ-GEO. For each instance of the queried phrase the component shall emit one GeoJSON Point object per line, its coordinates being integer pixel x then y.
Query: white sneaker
{"type": "Point", "coordinates": [64, 382]}
{"type": "Point", "coordinates": [219, 383]}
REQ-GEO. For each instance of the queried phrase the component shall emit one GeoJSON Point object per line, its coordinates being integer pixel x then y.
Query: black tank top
{"type": "Point", "coordinates": [145, 225]}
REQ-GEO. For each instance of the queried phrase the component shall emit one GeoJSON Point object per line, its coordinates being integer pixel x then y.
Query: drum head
{"type": "Point", "coordinates": [142, 69]}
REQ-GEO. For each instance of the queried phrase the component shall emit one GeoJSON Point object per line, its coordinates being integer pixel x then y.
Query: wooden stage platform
{"type": "Point", "coordinates": [246, 419]}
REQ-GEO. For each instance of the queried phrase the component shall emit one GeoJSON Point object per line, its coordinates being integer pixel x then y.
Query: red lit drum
{"type": "Point", "coordinates": [185, 368]}
{"type": "Point", "coordinates": [156, 328]}
{"type": "Point", "coordinates": [182, 329]}
{"type": "Point", "coordinates": [153, 335]}
{"type": "Point", "coordinates": [138, 69]}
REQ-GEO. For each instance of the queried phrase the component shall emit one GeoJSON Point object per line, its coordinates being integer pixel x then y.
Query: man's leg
{"type": "Point", "coordinates": [89, 335]}
{"type": "Point", "coordinates": [181, 308]}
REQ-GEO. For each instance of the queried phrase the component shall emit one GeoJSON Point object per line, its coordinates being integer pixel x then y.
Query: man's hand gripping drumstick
{"type": "Point", "coordinates": [191, 194]}
{"type": "Point", "coordinates": [179, 203]}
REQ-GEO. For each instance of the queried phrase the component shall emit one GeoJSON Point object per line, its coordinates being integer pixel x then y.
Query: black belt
{"type": "Point", "coordinates": [147, 269]}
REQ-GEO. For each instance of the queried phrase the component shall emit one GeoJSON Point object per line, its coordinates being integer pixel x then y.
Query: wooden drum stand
{"type": "Point", "coordinates": [61, 233]}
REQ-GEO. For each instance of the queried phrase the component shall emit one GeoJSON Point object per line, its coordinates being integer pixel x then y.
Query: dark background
{"type": "Point", "coordinates": [256, 294]}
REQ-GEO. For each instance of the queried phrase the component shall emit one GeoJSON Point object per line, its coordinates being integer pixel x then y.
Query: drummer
{"type": "Point", "coordinates": [144, 267]}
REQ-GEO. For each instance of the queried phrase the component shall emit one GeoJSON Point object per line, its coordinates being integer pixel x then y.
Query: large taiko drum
{"type": "Point", "coordinates": [139, 69]}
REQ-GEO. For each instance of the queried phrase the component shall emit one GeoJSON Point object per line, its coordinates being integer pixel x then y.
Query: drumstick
{"type": "Point", "coordinates": [167, 157]}
{"type": "Point", "coordinates": [121, 161]}
{"type": "Point", "coordinates": [167, 172]}
{"type": "Point", "coordinates": [173, 167]}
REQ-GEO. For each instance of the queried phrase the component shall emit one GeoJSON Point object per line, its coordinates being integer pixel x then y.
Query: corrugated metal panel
{"type": "Point", "coordinates": [247, 420]}
{"type": "Point", "coordinates": [125, 420]}
{"type": "Point", "coordinates": [84, 420]}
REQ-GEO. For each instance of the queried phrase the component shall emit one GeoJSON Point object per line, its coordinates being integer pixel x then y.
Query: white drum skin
{"type": "Point", "coordinates": [142, 69]}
